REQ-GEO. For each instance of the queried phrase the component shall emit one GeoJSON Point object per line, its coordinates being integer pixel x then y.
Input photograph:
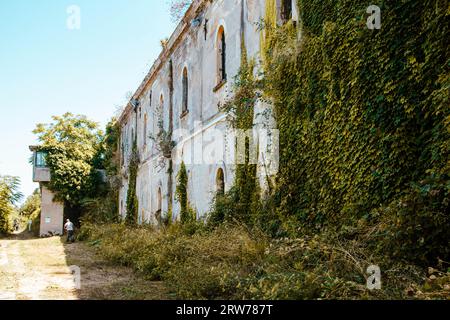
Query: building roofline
{"type": "Point", "coordinates": [172, 43]}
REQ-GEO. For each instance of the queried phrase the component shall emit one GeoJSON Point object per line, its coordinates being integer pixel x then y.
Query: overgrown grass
{"type": "Point", "coordinates": [234, 262]}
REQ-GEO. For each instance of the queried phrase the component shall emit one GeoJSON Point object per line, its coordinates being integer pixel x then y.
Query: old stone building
{"type": "Point", "coordinates": [182, 94]}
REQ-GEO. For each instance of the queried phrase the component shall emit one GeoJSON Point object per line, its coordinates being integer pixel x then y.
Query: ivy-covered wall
{"type": "Point", "coordinates": [363, 114]}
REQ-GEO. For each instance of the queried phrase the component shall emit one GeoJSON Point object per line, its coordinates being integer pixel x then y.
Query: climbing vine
{"type": "Point", "coordinates": [186, 213]}
{"type": "Point", "coordinates": [132, 200]}
{"type": "Point", "coordinates": [163, 139]}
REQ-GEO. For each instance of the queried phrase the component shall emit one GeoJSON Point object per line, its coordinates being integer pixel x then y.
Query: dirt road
{"type": "Point", "coordinates": [49, 269]}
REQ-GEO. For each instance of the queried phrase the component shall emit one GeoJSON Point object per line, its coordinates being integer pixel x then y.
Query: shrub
{"type": "Point", "coordinates": [414, 227]}
{"type": "Point", "coordinates": [234, 262]}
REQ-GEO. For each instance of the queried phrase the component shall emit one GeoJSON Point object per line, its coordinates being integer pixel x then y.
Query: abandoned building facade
{"type": "Point", "coordinates": [181, 95]}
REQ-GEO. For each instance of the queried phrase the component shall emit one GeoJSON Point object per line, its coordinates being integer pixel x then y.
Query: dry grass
{"type": "Point", "coordinates": [232, 262]}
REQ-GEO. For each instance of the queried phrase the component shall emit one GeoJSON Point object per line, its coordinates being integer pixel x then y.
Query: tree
{"type": "Point", "coordinates": [109, 152]}
{"type": "Point", "coordinates": [72, 143]}
{"type": "Point", "coordinates": [178, 8]}
{"type": "Point", "coordinates": [103, 207]}
{"type": "Point", "coordinates": [9, 195]}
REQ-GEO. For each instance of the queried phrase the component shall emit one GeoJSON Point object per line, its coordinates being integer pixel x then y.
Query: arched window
{"type": "Point", "coordinates": [144, 137]}
{"type": "Point", "coordinates": [160, 112]}
{"type": "Point", "coordinates": [220, 182]}
{"type": "Point", "coordinates": [286, 10]}
{"type": "Point", "coordinates": [158, 205]}
{"type": "Point", "coordinates": [161, 102]}
{"type": "Point", "coordinates": [221, 55]}
{"type": "Point", "coordinates": [185, 100]}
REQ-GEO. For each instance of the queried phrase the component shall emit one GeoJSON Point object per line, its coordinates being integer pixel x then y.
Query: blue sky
{"type": "Point", "coordinates": [47, 69]}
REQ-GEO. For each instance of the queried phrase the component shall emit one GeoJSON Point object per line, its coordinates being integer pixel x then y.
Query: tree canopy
{"type": "Point", "coordinates": [73, 145]}
{"type": "Point", "coordinates": [178, 8]}
{"type": "Point", "coordinates": [31, 205]}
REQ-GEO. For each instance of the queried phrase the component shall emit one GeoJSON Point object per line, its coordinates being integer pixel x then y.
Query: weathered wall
{"type": "Point", "coordinates": [52, 214]}
{"type": "Point", "coordinates": [195, 50]}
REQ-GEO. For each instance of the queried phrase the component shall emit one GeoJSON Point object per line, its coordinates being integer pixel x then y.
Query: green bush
{"type": "Point", "coordinates": [9, 196]}
{"type": "Point", "coordinates": [414, 227]}
{"type": "Point", "coordinates": [234, 262]}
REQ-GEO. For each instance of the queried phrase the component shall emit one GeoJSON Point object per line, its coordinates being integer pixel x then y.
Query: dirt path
{"type": "Point", "coordinates": [48, 269]}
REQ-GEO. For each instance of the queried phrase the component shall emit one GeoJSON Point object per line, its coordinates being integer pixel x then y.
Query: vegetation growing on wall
{"type": "Point", "coordinates": [132, 200]}
{"type": "Point", "coordinates": [163, 140]}
{"type": "Point", "coordinates": [364, 121]}
{"type": "Point", "coordinates": [104, 206]}
{"type": "Point", "coordinates": [187, 214]}
{"type": "Point", "coordinates": [239, 202]}
{"type": "Point", "coordinates": [83, 162]}
{"type": "Point", "coordinates": [72, 143]}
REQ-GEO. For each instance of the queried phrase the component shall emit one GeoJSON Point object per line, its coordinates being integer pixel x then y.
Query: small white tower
{"type": "Point", "coordinates": [52, 212]}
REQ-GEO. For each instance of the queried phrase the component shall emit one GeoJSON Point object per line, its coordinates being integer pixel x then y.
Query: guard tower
{"type": "Point", "coordinates": [52, 213]}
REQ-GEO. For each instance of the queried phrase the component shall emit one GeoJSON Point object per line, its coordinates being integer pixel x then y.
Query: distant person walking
{"type": "Point", "coordinates": [69, 227]}
{"type": "Point", "coordinates": [30, 222]}
{"type": "Point", "coordinates": [16, 225]}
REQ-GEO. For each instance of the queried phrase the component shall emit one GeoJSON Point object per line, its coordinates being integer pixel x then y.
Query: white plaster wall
{"type": "Point", "coordinates": [52, 214]}
{"type": "Point", "coordinates": [199, 56]}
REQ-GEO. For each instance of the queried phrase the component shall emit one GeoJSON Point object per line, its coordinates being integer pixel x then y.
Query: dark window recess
{"type": "Point", "coordinates": [223, 56]}
{"type": "Point", "coordinates": [286, 10]}
{"type": "Point", "coordinates": [41, 159]}
{"type": "Point", "coordinates": [220, 182]}
{"type": "Point", "coordinates": [185, 99]}
{"type": "Point", "coordinates": [205, 28]}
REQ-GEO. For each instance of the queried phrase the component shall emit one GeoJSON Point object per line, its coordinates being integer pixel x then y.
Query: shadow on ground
{"type": "Point", "coordinates": [34, 268]}
{"type": "Point", "coordinates": [103, 280]}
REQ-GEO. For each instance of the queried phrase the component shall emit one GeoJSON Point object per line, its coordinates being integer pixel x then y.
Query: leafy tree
{"type": "Point", "coordinates": [9, 195]}
{"type": "Point", "coordinates": [241, 200]}
{"type": "Point", "coordinates": [31, 205]}
{"type": "Point", "coordinates": [178, 8]}
{"type": "Point", "coordinates": [72, 143]}
{"type": "Point", "coordinates": [108, 153]}
{"type": "Point", "coordinates": [187, 214]}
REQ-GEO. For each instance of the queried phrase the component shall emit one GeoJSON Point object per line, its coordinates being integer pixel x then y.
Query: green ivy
{"type": "Point", "coordinates": [363, 114]}
{"type": "Point", "coordinates": [72, 143]}
{"type": "Point", "coordinates": [132, 200]}
{"type": "Point", "coordinates": [239, 202]}
{"type": "Point", "coordinates": [187, 214]}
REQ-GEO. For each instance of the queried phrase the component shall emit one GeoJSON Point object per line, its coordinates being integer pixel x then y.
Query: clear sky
{"type": "Point", "coordinates": [47, 68]}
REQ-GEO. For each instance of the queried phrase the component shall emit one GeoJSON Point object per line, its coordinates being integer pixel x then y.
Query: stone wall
{"type": "Point", "coordinates": [193, 47]}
